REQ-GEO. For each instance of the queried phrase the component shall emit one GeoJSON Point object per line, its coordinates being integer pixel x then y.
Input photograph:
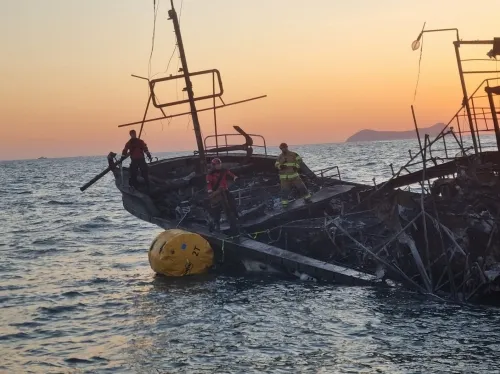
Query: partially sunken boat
{"type": "Point", "coordinates": [432, 227]}
{"type": "Point", "coordinates": [178, 196]}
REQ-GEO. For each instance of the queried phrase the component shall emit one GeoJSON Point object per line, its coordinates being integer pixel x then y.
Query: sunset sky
{"type": "Point", "coordinates": [329, 68]}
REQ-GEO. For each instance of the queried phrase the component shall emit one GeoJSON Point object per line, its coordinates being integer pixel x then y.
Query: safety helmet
{"type": "Point", "coordinates": [283, 145]}
{"type": "Point", "coordinates": [216, 161]}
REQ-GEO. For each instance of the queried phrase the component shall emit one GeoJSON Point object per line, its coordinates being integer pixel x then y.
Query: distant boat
{"type": "Point", "coordinates": [42, 158]}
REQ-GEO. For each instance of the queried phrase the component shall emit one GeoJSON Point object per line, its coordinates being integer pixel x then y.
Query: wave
{"type": "Point", "coordinates": [72, 294]}
{"type": "Point", "coordinates": [21, 192]}
{"type": "Point", "coordinates": [76, 360]}
{"type": "Point", "coordinates": [45, 241]}
{"type": "Point", "coordinates": [57, 202]}
{"type": "Point", "coordinates": [59, 308]}
{"type": "Point", "coordinates": [98, 280]}
{"type": "Point", "coordinates": [95, 223]}
{"type": "Point", "coordinates": [26, 324]}
{"type": "Point", "coordinates": [18, 335]}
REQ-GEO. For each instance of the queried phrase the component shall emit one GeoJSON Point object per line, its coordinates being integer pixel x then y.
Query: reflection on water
{"type": "Point", "coordinates": [77, 294]}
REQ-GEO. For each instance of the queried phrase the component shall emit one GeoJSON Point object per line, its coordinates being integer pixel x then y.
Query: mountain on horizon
{"type": "Point", "coordinates": [373, 135]}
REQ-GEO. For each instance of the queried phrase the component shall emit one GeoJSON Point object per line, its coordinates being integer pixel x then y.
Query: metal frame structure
{"type": "Point", "coordinates": [214, 72]}
{"type": "Point", "coordinates": [191, 98]}
{"type": "Point", "coordinates": [473, 109]}
{"type": "Point", "coordinates": [457, 43]}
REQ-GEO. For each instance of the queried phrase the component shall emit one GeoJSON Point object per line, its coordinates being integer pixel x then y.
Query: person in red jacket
{"type": "Point", "coordinates": [136, 148]}
{"type": "Point", "coordinates": [220, 197]}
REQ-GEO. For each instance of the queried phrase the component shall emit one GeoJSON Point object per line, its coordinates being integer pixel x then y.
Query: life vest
{"type": "Point", "coordinates": [137, 148]}
{"type": "Point", "coordinates": [213, 177]}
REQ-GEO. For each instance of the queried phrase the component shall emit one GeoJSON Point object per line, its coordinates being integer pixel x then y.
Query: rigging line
{"type": "Point", "coordinates": [168, 122]}
{"type": "Point", "coordinates": [176, 81]}
{"type": "Point", "coordinates": [496, 68]}
{"type": "Point", "coordinates": [168, 65]}
{"type": "Point", "coordinates": [180, 12]}
{"type": "Point", "coordinates": [178, 53]}
{"type": "Point", "coordinates": [173, 52]}
{"type": "Point", "coordinates": [418, 75]}
{"type": "Point", "coordinates": [155, 13]}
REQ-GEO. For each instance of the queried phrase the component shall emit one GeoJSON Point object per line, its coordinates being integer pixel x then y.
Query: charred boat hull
{"type": "Point", "coordinates": [241, 250]}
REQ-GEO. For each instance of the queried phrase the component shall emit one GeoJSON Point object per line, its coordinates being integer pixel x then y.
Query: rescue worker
{"type": "Point", "coordinates": [137, 148]}
{"type": "Point", "coordinates": [219, 196]}
{"type": "Point", "coordinates": [288, 164]}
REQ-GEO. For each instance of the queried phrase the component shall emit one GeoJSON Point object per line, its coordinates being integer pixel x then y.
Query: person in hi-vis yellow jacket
{"type": "Point", "coordinates": [288, 165]}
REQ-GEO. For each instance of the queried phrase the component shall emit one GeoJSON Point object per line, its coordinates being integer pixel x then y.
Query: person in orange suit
{"type": "Point", "coordinates": [136, 148]}
{"type": "Point", "coordinates": [219, 195]}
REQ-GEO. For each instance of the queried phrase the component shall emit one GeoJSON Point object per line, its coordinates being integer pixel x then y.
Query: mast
{"type": "Point", "coordinates": [194, 113]}
{"type": "Point", "coordinates": [465, 100]}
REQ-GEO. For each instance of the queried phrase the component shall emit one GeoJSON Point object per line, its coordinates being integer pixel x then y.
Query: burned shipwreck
{"type": "Point", "coordinates": [431, 227]}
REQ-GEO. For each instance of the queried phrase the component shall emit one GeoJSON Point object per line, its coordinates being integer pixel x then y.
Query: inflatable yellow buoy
{"type": "Point", "coordinates": [176, 253]}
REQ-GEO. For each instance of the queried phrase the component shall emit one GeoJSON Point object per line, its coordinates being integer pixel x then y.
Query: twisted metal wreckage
{"type": "Point", "coordinates": [442, 240]}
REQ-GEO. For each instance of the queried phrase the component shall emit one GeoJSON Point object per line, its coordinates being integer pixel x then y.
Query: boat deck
{"type": "Point", "coordinates": [295, 207]}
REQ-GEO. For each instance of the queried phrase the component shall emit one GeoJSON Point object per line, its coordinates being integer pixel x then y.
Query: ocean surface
{"type": "Point", "coordinates": [77, 294]}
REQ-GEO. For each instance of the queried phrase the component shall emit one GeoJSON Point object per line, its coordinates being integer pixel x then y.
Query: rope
{"type": "Point", "coordinates": [255, 235]}
{"type": "Point", "coordinates": [418, 75]}
{"type": "Point", "coordinates": [496, 68]}
{"type": "Point", "coordinates": [271, 239]}
{"type": "Point", "coordinates": [182, 219]}
{"type": "Point", "coordinates": [155, 13]}
{"type": "Point", "coordinates": [180, 12]}
{"type": "Point", "coordinates": [172, 55]}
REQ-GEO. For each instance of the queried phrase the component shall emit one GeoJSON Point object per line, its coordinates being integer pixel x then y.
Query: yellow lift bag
{"type": "Point", "coordinates": [176, 253]}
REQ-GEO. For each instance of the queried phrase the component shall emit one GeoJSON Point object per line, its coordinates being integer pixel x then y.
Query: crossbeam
{"type": "Point", "coordinates": [198, 111]}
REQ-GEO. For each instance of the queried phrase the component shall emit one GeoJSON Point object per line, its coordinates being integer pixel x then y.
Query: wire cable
{"type": "Point", "coordinates": [175, 48]}
{"type": "Point", "coordinates": [418, 75]}
{"type": "Point", "coordinates": [155, 13]}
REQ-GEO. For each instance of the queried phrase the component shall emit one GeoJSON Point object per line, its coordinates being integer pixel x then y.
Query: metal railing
{"type": "Point", "coordinates": [246, 192]}
{"type": "Point", "coordinates": [225, 144]}
{"type": "Point", "coordinates": [322, 172]}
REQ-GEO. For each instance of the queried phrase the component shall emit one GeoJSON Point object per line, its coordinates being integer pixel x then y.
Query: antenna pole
{"type": "Point", "coordinates": [465, 100]}
{"type": "Point", "coordinates": [194, 113]}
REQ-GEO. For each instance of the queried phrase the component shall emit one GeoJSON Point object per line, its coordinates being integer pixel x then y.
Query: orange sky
{"type": "Point", "coordinates": [329, 68]}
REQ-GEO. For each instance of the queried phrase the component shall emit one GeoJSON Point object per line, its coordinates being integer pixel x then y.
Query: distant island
{"type": "Point", "coordinates": [371, 135]}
